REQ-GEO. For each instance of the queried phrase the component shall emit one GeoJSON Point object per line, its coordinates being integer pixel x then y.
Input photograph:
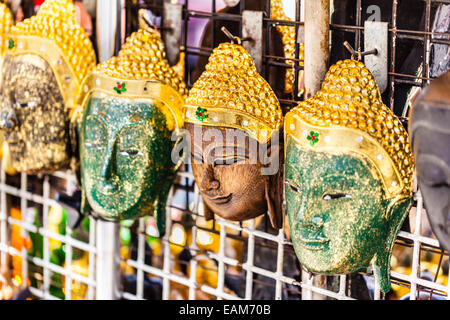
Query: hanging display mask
{"type": "Point", "coordinates": [349, 175]}
{"type": "Point", "coordinates": [234, 119]}
{"type": "Point", "coordinates": [130, 106]}
{"type": "Point", "coordinates": [46, 59]}
{"type": "Point", "coordinates": [6, 23]}
{"type": "Point", "coordinates": [430, 138]}
{"type": "Point", "coordinates": [288, 35]}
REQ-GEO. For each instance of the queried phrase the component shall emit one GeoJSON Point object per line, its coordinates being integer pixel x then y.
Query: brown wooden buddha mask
{"type": "Point", "coordinates": [234, 121]}
{"type": "Point", "coordinates": [230, 174]}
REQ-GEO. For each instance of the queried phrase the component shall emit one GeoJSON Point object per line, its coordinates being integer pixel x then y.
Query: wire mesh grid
{"type": "Point", "coordinates": [222, 259]}
{"type": "Point", "coordinates": [30, 238]}
{"type": "Point", "coordinates": [274, 275]}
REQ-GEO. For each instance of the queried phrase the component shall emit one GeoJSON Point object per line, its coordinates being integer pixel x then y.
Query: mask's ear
{"type": "Point", "coordinates": [273, 193]}
{"type": "Point", "coordinates": [74, 127]}
{"type": "Point", "coordinates": [273, 198]}
{"type": "Point", "coordinates": [182, 144]}
{"type": "Point", "coordinates": [85, 208]}
{"type": "Point", "coordinates": [160, 204]}
{"type": "Point", "coordinates": [397, 211]}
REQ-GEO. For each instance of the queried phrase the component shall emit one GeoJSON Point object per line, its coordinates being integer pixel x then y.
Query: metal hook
{"type": "Point", "coordinates": [152, 26]}
{"type": "Point", "coordinates": [359, 54]}
{"type": "Point", "coordinates": [230, 36]}
{"type": "Point", "coordinates": [149, 24]}
{"type": "Point", "coordinates": [234, 39]}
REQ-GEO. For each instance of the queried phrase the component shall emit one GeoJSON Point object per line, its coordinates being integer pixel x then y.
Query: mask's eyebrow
{"type": "Point", "coordinates": [100, 117]}
{"type": "Point", "coordinates": [347, 181]}
{"type": "Point", "coordinates": [228, 150]}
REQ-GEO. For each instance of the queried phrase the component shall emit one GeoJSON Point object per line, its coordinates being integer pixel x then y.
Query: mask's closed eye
{"type": "Point", "coordinates": [235, 159]}
{"type": "Point", "coordinates": [28, 104]}
{"type": "Point", "coordinates": [335, 196]}
{"type": "Point", "coordinates": [93, 146]}
{"type": "Point", "coordinates": [131, 152]}
{"type": "Point", "coordinates": [293, 187]}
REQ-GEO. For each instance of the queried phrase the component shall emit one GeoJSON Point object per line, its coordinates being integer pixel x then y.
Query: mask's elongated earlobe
{"type": "Point", "coordinates": [273, 187]}
{"type": "Point", "coordinates": [397, 211]}
{"type": "Point", "coordinates": [160, 204]}
{"type": "Point", "coordinates": [274, 201]}
{"type": "Point", "coordinates": [85, 208]}
{"type": "Point", "coordinates": [161, 201]}
{"type": "Point", "coordinates": [74, 129]}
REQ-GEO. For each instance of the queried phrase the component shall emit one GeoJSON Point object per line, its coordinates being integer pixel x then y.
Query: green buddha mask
{"type": "Point", "coordinates": [125, 139]}
{"type": "Point", "coordinates": [348, 175]}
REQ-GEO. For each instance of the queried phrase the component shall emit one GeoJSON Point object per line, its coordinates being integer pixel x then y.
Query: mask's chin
{"type": "Point", "coordinates": [233, 210]}
{"type": "Point", "coordinates": [441, 226]}
{"type": "Point", "coordinates": [21, 160]}
{"type": "Point", "coordinates": [105, 208]}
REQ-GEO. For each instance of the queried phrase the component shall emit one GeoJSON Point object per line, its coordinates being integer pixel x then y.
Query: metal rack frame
{"type": "Point", "coordinates": [248, 234]}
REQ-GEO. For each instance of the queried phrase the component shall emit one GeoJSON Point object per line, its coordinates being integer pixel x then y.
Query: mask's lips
{"type": "Point", "coordinates": [311, 236]}
{"type": "Point", "coordinates": [12, 137]}
{"type": "Point", "coordinates": [108, 188]}
{"type": "Point", "coordinates": [221, 199]}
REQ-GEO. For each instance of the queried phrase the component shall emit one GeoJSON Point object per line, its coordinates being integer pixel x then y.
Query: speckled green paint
{"type": "Point", "coordinates": [125, 151]}
{"type": "Point", "coordinates": [339, 218]}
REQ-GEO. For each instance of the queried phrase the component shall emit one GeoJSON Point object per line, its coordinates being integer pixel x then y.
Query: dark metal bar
{"type": "Point", "coordinates": [437, 273]}
{"type": "Point", "coordinates": [426, 44]}
{"type": "Point", "coordinates": [186, 53]}
{"type": "Point", "coordinates": [395, 34]}
{"type": "Point", "coordinates": [358, 23]}
{"type": "Point", "coordinates": [393, 48]}
{"type": "Point", "coordinates": [267, 42]}
{"type": "Point", "coordinates": [213, 23]}
{"type": "Point", "coordinates": [297, 51]}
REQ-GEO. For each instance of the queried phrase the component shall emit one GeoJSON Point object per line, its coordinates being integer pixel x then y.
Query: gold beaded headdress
{"type": "Point", "coordinates": [54, 35]}
{"type": "Point", "coordinates": [140, 71]}
{"type": "Point", "coordinates": [6, 22]}
{"type": "Point", "coordinates": [231, 93]}
{"type": "Point", "coordinates": [348, 115]}
{"type": "Point", "coordinates": [288, 38]}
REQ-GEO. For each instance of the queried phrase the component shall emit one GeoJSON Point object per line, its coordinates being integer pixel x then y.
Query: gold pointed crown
{"type": "Point", "coordinates": [348, 115]}
{"type": "Point", "coordinates": [6, 22]}
{"type": "Point", "coordinates": [143, 57]}
{"type": "Point", "coordinates": [140, 71]}
{"type": "Point", "coordinates": [54, 35]}
{"type": "Point", "coordinates": [288, 38]}
{"type": "Point", "coordinates": [231, 93]}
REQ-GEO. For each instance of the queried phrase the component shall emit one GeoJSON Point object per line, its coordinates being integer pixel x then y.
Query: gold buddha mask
{"type": "Point", "coordinates": [6, 23]}
{"type": "Point", "coordinates": [46, 59]}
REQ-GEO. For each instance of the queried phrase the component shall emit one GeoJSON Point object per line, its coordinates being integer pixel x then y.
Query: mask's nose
{"type": "Point", "coordinates": [8, 120]}
{"type": "Point", "coordinates": [209, 182]}
{"type": "Point", "coordinates": [308, 214]}
{"type": "Point", "coordinates": [110, 181]}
